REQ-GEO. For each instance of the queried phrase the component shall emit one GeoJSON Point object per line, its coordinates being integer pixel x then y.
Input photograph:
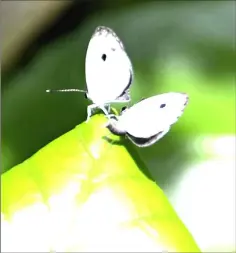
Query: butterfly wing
{"type": "Point", "coordinates": [108, 68]}
{"type": "Point", "coordinates": [153, 116]}
{"type": "Point", "coordinates": [148, 141]}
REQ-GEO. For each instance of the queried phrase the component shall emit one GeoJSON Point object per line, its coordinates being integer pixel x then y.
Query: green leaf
{"type": "Point", "coordinates": [86, 192]}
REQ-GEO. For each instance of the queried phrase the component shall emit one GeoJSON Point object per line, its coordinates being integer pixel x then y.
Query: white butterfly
{"type": "Point", "coordinates": [108, 71]}
{"type": "Point", "coordinates": [150, 119]}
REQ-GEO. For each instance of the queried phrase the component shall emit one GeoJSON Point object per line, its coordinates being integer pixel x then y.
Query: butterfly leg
{"type": "Point", "coordinates": [89, 111]}
{"type": "Point", "coordinates": [106, 109]}
{"type": "Point", "coordinates": [93, 106]}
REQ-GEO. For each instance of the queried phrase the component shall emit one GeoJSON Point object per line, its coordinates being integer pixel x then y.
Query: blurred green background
{"type": "Point", "coordinates": [182, 46]}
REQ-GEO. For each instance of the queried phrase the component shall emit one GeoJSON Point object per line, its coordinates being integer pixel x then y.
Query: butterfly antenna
{"type": "Point", "coordinates": [66, 90]}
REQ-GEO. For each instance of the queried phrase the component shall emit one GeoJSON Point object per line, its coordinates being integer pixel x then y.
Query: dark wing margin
{"type": "Point", "coordinates": [146, 142]}
{"type": "Point", "coordinates": [125, 96]}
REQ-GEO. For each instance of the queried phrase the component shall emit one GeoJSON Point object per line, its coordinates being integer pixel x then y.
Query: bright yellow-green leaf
{"type": "Point", "coordinates": [86, 192]}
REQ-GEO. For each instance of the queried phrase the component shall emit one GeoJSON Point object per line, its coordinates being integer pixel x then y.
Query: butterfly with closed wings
{"type": "Point", "coordinates": [108, 71]}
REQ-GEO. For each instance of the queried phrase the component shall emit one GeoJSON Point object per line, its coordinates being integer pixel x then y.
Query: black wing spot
{"type": "Point", "coordinates": [123, 108]}
{"type": "Point", "coordinates": [104, 57]}
{"type": "Point", "coordinates": [162, 105]}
